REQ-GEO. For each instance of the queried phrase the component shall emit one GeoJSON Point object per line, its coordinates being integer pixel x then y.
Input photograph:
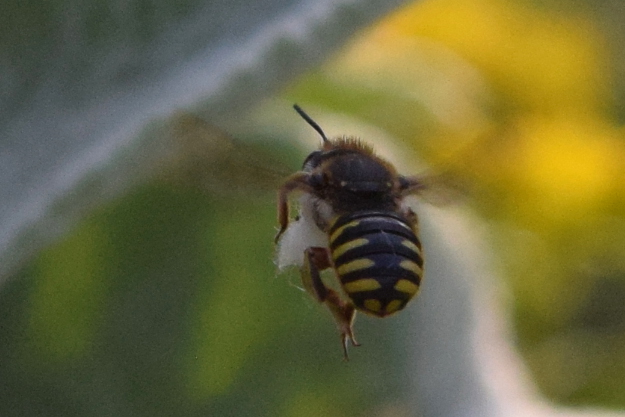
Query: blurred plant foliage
{"type": "Point", "coordinates": [518, 99]}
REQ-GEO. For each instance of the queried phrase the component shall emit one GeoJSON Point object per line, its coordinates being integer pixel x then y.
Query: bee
{"type": "Point", "coordinates": [353, 219]}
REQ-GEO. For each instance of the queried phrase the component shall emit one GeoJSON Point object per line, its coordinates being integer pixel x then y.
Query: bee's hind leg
{"type": "Point", "coordinates": [316, 260]}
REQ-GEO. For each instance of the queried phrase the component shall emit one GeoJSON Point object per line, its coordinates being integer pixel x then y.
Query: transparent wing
{"type": "Point", "coordinates": [441, 188]}
{"type": "Point", "coordinates": [207, 158]}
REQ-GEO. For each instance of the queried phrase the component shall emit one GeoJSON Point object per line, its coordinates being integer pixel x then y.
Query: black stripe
{"type": "Point", "coordinates": [380, 242]}
{"type": "Point", "coordinates": [386, 270]}
{"type": "Point", "coordinates": [375, 225]}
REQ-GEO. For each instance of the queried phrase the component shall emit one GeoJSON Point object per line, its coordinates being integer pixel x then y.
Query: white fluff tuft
{"type": "Point", "coordinates": [300, 235]}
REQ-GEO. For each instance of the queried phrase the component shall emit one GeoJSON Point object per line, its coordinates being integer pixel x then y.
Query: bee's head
{"type": "Point", "coordinates": [346, 171]}
{"type": "Point", "coordinates": [329, 148]}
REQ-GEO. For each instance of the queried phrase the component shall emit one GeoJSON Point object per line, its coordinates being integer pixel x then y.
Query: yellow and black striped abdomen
{"type": "Point", "coordinates": [378, 260]}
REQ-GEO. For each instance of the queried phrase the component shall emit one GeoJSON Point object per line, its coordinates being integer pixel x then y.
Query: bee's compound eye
{"type": "Point", "coordinates": [317, 180]}
{"type": "Point", "coordinates": [311, 161]}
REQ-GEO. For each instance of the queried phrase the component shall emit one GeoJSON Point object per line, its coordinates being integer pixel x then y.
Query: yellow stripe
{"type": "Point", "coordinates": [340, 230]}
{"type": "Point", "coordinates": [407, 287]}
{"type": "Point", "coordinates": [411, 246]}
{"type": "Point", "coordinates": [333, 222]}
{"type": "Point", "coordinates": [411, 266]}
{"type": "Point", "coordinates": [393, 306]}
{"type": "Point", "coordinates": [373, 305]}
{"type": "Point", "coordinates": [365, 284]}
{"type": "Point", "coordinates": [356, 265]}
{"type": "Point", "coordinates": [349, 245]}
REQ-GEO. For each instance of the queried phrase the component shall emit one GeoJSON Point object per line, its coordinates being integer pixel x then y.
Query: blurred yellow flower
{"type": "Point", "coordinates": [539, 60]}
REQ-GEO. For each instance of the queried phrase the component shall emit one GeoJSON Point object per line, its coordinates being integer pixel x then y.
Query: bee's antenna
{"type": "Point", "coordinates": [311, 122]}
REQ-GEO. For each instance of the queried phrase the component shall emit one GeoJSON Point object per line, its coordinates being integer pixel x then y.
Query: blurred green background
{"type": "Point", "coordinates": [167, 301]}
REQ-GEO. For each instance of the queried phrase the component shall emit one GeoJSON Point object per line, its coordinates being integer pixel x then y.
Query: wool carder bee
{"type": "Point", "coordinates": [354, 219]}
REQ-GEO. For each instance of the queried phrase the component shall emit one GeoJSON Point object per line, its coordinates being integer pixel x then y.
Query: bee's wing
{"type": "Point", "coordinates": [439, 188]}
{"type": "Point", "coordinates": [207, 158]}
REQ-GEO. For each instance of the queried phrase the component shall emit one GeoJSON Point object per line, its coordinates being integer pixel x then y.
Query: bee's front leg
{"type": "Point", "coordinates": [316, 260]}
{"type": "Point", "coordinates": [297, 181]}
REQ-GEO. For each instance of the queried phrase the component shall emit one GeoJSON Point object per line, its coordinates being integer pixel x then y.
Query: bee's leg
{"type": "Point", "coordinates": [297, 181]}
{"type": "Point", "coordinates": [408, 186]}
{"type": "Point", "coordinates": [344, 314]}
{"type": "Point", "coordinates": [412, 218]}
{"type": "Point", "coordinates": [316, 260]}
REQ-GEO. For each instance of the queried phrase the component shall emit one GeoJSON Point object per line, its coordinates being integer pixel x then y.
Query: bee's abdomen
{"type": "Point", "coordinates": [378, 259]}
